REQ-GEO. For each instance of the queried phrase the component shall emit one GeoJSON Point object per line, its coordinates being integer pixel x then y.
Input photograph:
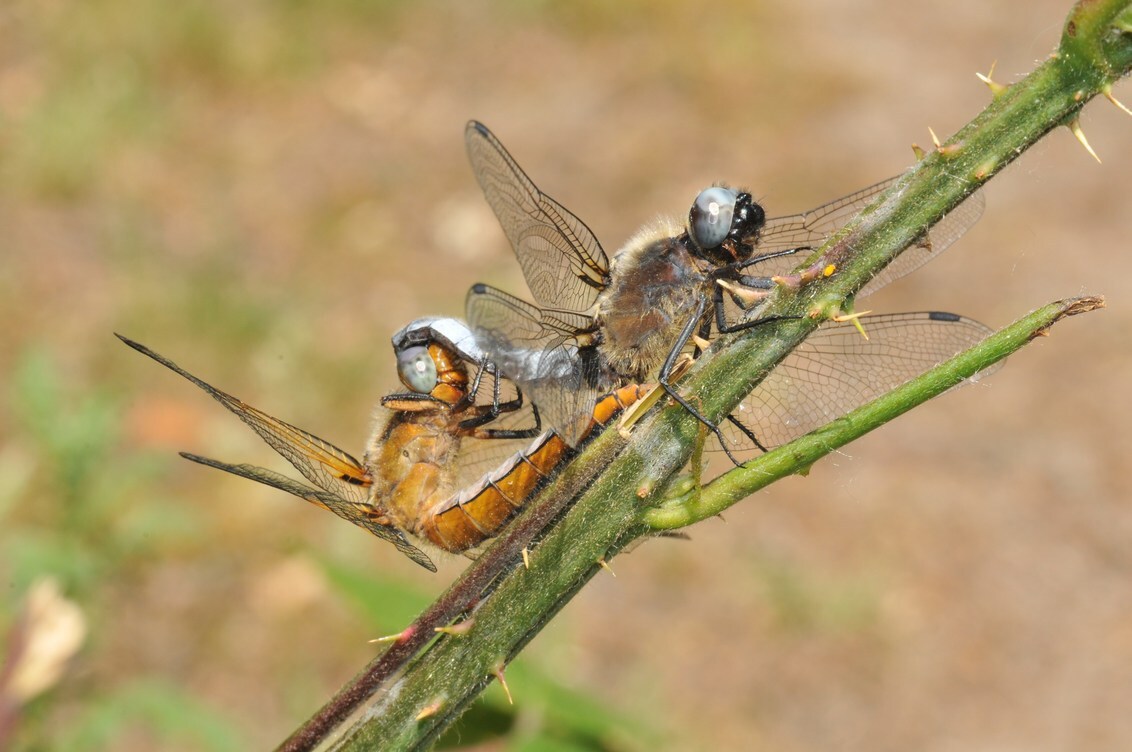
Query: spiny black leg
{"type": "Point", "coordinates": [505, 433]}
{"type": "Point", "coordinates": [469, 424]}
{"type": "Point", "coordinates": [717, 301]}
{"type": "Point", "coordinates": [747, 432]}
{"type": "Point", "coordinates": [475, 387]}
{"type": "Point", "coordinates": [754, 260]}
{"type": "Point", "coordinates": [497, 407]}
{"type": "Point", "coordinates": [705, 325]}
{"type": "Point", "coordinates": [742, 326]}
{"type": "Point", "coordinates": [666, 372]}
{"type": "Point", "coordinates": [495, 411]}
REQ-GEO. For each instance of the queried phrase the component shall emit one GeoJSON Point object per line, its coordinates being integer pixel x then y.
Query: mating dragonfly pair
{"type": "Point", "coordinates": [580, 357]}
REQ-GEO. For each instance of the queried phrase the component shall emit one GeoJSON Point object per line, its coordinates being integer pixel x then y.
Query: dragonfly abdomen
{"type": "Point", "coordinates": [480, 511]}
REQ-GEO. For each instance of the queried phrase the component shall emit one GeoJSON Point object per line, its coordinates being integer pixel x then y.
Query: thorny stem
{"type": "Point", "coordinates": [1095, 51]}
{"type": "Point", "coordinates": [798, 455]}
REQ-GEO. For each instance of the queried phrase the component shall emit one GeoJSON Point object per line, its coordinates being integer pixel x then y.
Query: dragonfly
{"type": "Point", "coordinates": [597, 323]}
{"type": "Point", "coordinates": [417, 480]}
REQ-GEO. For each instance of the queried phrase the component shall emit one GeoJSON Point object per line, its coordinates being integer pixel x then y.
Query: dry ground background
{"type": "Point", "coordinates": [265, 191]}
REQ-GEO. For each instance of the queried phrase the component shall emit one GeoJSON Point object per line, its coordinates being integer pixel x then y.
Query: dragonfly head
{"type": "Point", "coordinates": [724, 224]}
{"type": "Point", "coordinates": [433, 357]}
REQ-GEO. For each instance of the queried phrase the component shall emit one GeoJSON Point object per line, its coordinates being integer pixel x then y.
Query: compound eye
{"type": "Point", "coordinates": [709, 221]}
{"type": "Point", "coordinates": [417, 369]}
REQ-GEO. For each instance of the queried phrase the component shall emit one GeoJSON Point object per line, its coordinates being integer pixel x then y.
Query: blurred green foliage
{"type": "Point", "coordinates": [166, 715]}
{"type": "Point", "coordinates": [75, 507]}
{"type": "Point", "coordinates": [76, 518]}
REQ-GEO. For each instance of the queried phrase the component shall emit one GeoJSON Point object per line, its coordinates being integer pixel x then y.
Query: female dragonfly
{"type": "Point", "coordinates": [418, 475]}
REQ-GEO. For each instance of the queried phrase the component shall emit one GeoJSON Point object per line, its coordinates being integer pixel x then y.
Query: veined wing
{"type": "Point", "coordinates": [810, 229]}
{"type": "Point", "coordinates": [836, 370]}
{"type": "Point", "coordinates": [538, 349]}
{"type": "Point", "coordinates": [563, 262]}
{"type": "Point", "coordinates": [323, 464]}
{"type": "Point", "coordinates": [479, 455]}
{"type": "Point", "coordinates": [361, 514]}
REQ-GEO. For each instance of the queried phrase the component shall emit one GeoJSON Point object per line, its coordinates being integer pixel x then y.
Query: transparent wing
{"type": "Point", "coordinates": [478, 455]}
{"type": "Point", "coordinates": [836, 370]}
{"type": "Point", "coordinates": [323, 464]}
{"type": "Point", "coordinates": [808, 230]}
{"type": "Point", "coordinates": [562, 261]}
{"type": "Point", "coordinates": [362, 515]}
{"type": "Point", "coordinates": [538, 349]}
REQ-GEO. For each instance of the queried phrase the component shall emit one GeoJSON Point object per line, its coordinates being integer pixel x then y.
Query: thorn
{"type": "Point", "coordinates": [1107, 91]}
{"type": "Point", "coordinates": [804, 277]}
{"type": "Point", "coordinates": [985, 169]}
{"type": "Point", "coordinates": [919, 152]}
{"type": "Point", "coordinates": [682, 365]}
{"type": "Point", "coordinates": [856, 319]}
{"type": "Point", "coordinates": [401, 636]}
{"type": "Point", "coordinates": [457, 630]}
{"type": "Point", "coordinates": [995, 87]}
{"type": "Point", "coordinates": [745, 294]}
{"type": "Point", "coordinates": [605, 565]}
{"type": "Point", "coordinates": [503, 683]}
{"type": "Point", "coordinates": [935, 138]}
{"type": "Point", "coordinates": [429, 710]}
{"type": "Point", "coordinates": [950, 150]}
{"type": "Point", "coordinates": [526, 558]}
{"type": "Point", "coordinates": [1075, 128]}
{"type": "Point", "coordinates": [700, 342]}
{"type": "Point", "coordinates": [791, 281]}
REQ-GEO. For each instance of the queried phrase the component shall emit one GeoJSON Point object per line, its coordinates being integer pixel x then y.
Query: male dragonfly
{"type": "Point", "coordinates": [598, 324]}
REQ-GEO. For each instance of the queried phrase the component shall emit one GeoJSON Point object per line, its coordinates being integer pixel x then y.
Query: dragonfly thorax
{"type": "Point", "coordinates": [656, 282]}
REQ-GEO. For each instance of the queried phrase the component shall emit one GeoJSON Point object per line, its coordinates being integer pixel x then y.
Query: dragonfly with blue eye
{"type": "Point", "coordinates": [423, 472]}
{"type": "Point", "coordinates": [599, 323]}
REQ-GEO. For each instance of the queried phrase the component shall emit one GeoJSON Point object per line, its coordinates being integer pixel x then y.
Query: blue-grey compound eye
{"type": "Point", "coordinates": [709, 221]}
{"type": "Point", "coordinates": [417, 369]}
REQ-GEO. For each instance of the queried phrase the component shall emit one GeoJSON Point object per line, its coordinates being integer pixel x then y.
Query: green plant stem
{"type": "Point", "coordinates": [407, 705]}
{"type": "Point", "coordinates": [798, 455]}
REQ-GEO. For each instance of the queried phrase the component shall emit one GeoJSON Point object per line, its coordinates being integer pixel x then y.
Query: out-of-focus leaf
{"type": "Point", "coordinates": [545, 743]}
{"type": "Point", "coordinates": [583, 715]}
{"type": "Point", "coordinates": [484, 722]}
{"type": "Point", "coordinates": [385, 603]}
{"type": "Point", "coordinates": [16, 468]}
{"type": "Point", "coordinates": [33, 552]}
{"type": "Point", "coordinates": [164, 711]}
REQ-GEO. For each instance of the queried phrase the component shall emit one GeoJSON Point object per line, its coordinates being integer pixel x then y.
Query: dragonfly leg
{"type": "Point", "coordinates": [666, 373]}
{"type": "Point", "coordinates": [484, 414]}
{"type": "Point", "coordinates": [746, 432]}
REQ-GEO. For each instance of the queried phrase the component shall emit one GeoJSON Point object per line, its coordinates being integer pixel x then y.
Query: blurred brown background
{"type": "Point", "coordinates": [265, 191]}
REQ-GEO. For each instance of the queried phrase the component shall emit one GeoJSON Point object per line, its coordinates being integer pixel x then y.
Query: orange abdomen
{"type": "Point", "coordinates": [480, 512]}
